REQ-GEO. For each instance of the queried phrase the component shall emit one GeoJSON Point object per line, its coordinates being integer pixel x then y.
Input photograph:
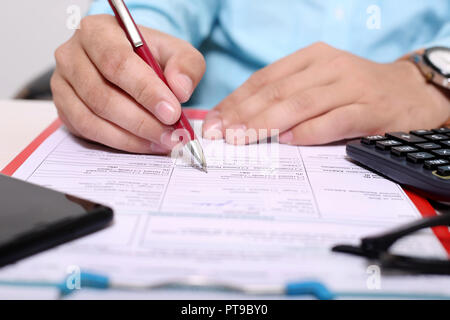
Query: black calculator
{"type": "Point", "coordinates": [419, 160]}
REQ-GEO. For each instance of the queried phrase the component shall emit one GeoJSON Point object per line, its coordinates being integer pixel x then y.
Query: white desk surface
{"type": "Point", "coordinates": [21, 122]}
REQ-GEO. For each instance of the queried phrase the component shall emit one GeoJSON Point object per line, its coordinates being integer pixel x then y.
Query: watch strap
{"type": "Point", "coordinates": [428, 72]}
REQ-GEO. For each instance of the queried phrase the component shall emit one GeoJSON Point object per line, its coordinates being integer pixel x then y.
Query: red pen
{"type": "Point", "coordinates": [141, 48]}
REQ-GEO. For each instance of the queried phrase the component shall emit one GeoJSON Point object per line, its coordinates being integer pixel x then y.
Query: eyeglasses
{"type": "Point", "coordinates": [377, 248]}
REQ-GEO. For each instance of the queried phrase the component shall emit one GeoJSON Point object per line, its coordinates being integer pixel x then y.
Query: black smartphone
{"type": "Point", "coordinates": [33, 219]}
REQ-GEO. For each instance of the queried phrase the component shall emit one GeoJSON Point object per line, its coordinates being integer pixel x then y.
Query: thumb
{"type": "Point", "coordinates": [183, 71]}
{"type": "Point", "coordinates": [183, 65]}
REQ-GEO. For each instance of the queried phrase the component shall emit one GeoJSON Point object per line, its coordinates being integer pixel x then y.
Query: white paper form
{"type": "Point", "coordinates": [264, 214]}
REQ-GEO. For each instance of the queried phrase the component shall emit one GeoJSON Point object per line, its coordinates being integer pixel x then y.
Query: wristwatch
{"type": "Point", "coordinates": [435, 65]}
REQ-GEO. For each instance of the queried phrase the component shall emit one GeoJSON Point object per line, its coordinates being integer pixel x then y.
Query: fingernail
{"type": "Point", "coordinates": [186, 85]}
{"type": "Point", "coordinates": [287, 137]}
{"type": "Point", "coordinates": [212, 129]}
{"type": "Point", "coordinates": [166, 112]}
{"type": "Point", "coordinates": [158, 149]}
{"type": "Point", "coordinates": [236, 134]}
{"type": "Point", "coordinates": [168, 140]}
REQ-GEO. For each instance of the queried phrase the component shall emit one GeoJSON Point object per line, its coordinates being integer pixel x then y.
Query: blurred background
{"type": "Point", "coordinates": [30, 31]}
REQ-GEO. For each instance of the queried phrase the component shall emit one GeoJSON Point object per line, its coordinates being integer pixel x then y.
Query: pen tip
{"type": "Point", "coordinates": [197, 152]}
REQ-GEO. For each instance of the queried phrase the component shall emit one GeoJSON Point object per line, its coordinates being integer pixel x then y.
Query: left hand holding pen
{"type": "Point", "coordinates": [321, 94]}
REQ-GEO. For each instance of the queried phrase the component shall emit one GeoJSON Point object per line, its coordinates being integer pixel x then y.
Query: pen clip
{"type": "Point", "coordinates": [128, 23]}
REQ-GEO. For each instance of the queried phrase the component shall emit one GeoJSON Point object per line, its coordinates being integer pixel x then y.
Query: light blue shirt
{"type": "Point", "coordinates": [238, 37]}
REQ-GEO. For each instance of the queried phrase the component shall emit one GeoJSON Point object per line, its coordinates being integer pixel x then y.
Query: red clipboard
{"type": "Point", "coordinates": [424, 207]}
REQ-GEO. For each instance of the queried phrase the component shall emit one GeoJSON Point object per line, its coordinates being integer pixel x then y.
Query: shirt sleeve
{"type": "Point", "coordinates": [442, 39]}
{"type": "Point", "coordinates": [191, 20]}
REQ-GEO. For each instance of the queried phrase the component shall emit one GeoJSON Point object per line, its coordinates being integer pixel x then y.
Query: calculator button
{"type": "Point", "coordinates": [419, 157]}
{"type": "Point", "coordinates": [403, 150]}
{"type": "Point", "coordinates": [433, 164]}
{"type": "Point", "coordinates": [428, 146]}
{"type": "Point", "coordinates": [370, 140]}
{"type": "Point", "coordinates": [444, 153]}
{"type": "Point", "coordinates": [445, 143]}
{"type": "Point", "coordinates": [437, 137]}
{"type": "Point", "coordinates": [405, 137]}
{"type": "Point", "coordinates": [442, 130]}
{"type": "Point", "coordinates": [421, 132]}
{"type": "Point", "coordinates": [444, 171]}
{"type": "Point", "coordinates": [387, 144]}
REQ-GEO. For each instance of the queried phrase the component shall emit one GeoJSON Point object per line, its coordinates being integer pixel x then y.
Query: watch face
{"type": "Point", "coordinates": [440, 59]}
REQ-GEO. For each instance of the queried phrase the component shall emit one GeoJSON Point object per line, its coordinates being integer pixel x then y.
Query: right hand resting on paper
{"type": "Point", "coordinates": [106, 93]}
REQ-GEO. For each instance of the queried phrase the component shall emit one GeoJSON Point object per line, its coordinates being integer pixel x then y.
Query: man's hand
{"type": "Point", "coordinates": [320, 95]}
{"type": "Point", "coordinates": [106, 93]}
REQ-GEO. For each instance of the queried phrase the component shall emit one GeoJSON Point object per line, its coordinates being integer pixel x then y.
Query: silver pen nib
{"type": "Point", "coordinates": [197, 152]}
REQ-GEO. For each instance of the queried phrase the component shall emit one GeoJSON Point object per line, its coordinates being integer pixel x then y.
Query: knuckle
{"type": "Point", "coordinates": [237, 116]}
{"type": "Point", "coordinates": [301, 103]}
{"type": "Point", "coordinates": [257, 79]}
{"type": "Point", "coordinates": [113, 64]}
{"type": "Point", "coordinates": [128, 144]}
{"type": "Point", "coordinates": [83, 124]}
{"type": "Point", "coordinates": [87, 25]}
{"type": "Point", "coordinates": [320, 45]}
{"type": "Point", "coordinates": [265, 123]}
{"type": "Point", "coordinates": [231, 116]}
{"type": "Point", "coordinates": [84, 23]}
{"type": "Point", "coordinates": [363, 85]}
{"type": "Point", "coordinates": [341, 61]}
{"type": "Point", "coordinates": [98, 100]}
{"type": "Point", "coordinates": [139, 128]}
{"type": "Point", "coordinates": [95, 29]}
{"type": "Point", "coordinates": [275, 92]}
{"type": "Point", "coordinates": [61, 56]}
{"type": "Point", "coordinates": [143, 93]}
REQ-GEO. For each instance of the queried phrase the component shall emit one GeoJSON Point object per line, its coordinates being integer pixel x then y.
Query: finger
{"type": "Point", "coordinates": [286, 89]}
{"type": "Point", "coordinates": [91, 127]}
{"type": "Point", "coordinates": [212, 128]}
{"type": "Point", "coordinates": [297, 62]}
{"type": "Point", "coordinates": [112, 54]}
{"type": "Point", "coordinates": [302, 106]}
{"type": "Point", "coordinates": [343, 123]}
{"type": "Point", "coordinates": [183, 65]}
{"type": "Point", "coordinates": [66, 122]}
{"type": "Point", "coordinates": [110, 103]}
